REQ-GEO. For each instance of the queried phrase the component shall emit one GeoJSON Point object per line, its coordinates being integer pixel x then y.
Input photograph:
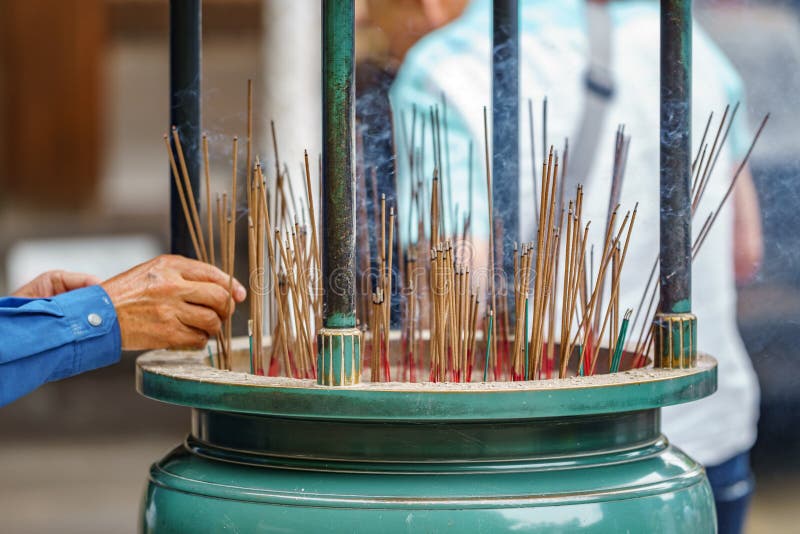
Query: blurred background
{"type": "Point", "coordinates": [84, 186]}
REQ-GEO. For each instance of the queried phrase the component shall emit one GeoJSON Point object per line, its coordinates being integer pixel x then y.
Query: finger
{"type": "Point", "coordinates": [188, 338]}
{"type": "Point", "coordinates": [200, 318]}
{"type": "Point", "coordinates": [26, 291]}
{"type": "Point", "coordinates": [70, 281]}
{"type": "Point", "coordinates": [239, 292]}
{"type": "Point", "coordinates": [198, 271]}
{"type": "Point", "coordinates": [211, 296]}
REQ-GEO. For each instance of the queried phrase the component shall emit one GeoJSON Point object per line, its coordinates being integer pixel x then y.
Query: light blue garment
{"type": "Point", "coordinates": [43, 340]}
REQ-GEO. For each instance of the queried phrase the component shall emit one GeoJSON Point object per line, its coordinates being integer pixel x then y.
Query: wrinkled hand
{"type": "Point", "coordinates": [171, 302]}
{"type": "Point", "coordinates": [54, 283]}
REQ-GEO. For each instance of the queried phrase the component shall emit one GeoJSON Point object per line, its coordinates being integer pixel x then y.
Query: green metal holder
{"type": "Point", "coordinates": [675, 328]}
{"type": "Point", "coordinates": [339, 356]}
{"type": "Point", "coordinates": [338, 341]}
{"type": "Point", "coordinates": [675, 340]}
{"type": "Point", "coordinates": [581, 454]}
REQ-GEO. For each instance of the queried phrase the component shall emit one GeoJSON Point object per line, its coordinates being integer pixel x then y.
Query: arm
{"type": "Point", "coordinates": [49, 339]}
{"type": "Point", "coordinates": [167, 302]}
{"type": "Point", "coordinates": [748, 246]}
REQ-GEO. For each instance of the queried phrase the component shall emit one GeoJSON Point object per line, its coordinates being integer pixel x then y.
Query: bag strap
{"type": "Point", "coordinates": [599, 89]}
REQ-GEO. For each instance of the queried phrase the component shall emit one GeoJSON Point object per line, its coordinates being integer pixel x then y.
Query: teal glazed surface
{"type": "Point", "coordinates": [278, 455]}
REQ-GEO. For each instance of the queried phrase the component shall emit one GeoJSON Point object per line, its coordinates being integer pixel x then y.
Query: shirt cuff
{"type": "Point", "coordinates": [96, 335]}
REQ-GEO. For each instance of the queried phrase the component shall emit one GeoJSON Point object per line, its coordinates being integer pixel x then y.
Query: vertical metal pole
{"type": "Point", "coordinates": [338, 360]}
{"type": "Point", "coordinates": [185, 39]}
{"type": "Point", "coordinates": [675, 323]}
{"type": "Point", "coordinates": [505, 129]}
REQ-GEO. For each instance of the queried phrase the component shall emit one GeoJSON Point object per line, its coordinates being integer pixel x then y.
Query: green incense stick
{"type": "Point", "coordinates": [615, 361]}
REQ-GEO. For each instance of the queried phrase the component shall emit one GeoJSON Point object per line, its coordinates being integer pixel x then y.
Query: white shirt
{"type": "Point", "coordinates": [455, 61]}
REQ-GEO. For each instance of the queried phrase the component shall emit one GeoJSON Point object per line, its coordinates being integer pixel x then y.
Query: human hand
{"type": "Point", "coordinates": [54, 283]}
{"type": "Point", "coordinates": [171, 302]}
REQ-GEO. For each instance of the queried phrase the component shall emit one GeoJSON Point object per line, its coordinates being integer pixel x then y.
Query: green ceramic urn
{"type": "Point", "coordinates": [579, 455]}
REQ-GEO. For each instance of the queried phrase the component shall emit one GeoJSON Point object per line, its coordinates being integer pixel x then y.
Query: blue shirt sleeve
{"type": "Point", "coordinates": [42, 340]}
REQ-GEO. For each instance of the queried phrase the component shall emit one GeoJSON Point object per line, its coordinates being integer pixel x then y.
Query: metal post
{"type": "Point", "coordinates": [676, 327]}
{"type": "Point", "coordinates": [505, 130]}
{"type": "Point", "coordinates": [185, 38]}
{"type": "Point", "coordinates": [338, 358]}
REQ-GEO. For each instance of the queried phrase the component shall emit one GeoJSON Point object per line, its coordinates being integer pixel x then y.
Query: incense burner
{"type": "Point", "coordinates": [287, 455]}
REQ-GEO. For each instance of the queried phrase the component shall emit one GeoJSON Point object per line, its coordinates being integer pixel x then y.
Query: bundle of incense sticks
{"type": "Point", "coordinates": [445, 306]}
{"type": "Point", "coordinates": [294, 266]}
{"type": "Point", "coordinates": [380, 311]}
{"type": "Point", "coordinates": [226, 216]}
{"type": "Point", "coordinates": [454, 313]}
{"type": "Point", "coordinates": [289, 294]}
{"type": "Point", "coordinates": [410, 338]}
{"type": "Point", "coordinates": [534, 349]}
{"type": "Point", "coordinates": [586, 315]}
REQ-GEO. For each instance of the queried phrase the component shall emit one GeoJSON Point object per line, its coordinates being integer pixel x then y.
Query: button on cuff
{"type": "Point", "coordinates": [95, 319]}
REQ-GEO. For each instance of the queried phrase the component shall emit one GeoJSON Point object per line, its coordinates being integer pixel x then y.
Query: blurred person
{"type": "Point", "coordinates": [555, 54]}
{"type": "Point", "coordinates": [385, 31]}
{"type": "Point", "coordinates": [389, 28]}
{"type": "Point", "coordinates": [62, 324]}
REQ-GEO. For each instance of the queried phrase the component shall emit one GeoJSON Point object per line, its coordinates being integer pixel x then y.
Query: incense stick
{"type": "Point", "coordinates": [190, 223]}
{"type": "Point", "coordinates": [188, 184]}
{"type": "Point", "coordinates": [490, 194]}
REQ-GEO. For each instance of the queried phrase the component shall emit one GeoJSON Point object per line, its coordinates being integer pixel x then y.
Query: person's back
{"type": "Point", "coordinates": [455, 61]}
